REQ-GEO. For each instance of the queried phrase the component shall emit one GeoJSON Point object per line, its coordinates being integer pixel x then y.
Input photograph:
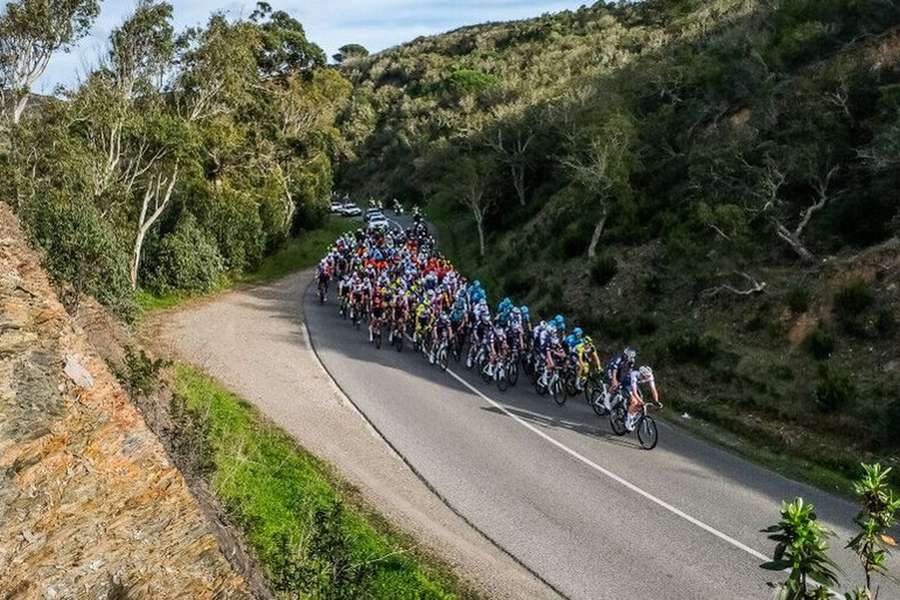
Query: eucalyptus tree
{"type": "Point", "coordinates": [31, 32]}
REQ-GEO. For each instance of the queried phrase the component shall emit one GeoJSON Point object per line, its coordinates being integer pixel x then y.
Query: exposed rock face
{"type": "Point", "coordinates": [90, 506]}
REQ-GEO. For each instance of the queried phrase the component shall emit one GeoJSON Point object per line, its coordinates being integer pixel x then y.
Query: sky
{"type": "Point", "coordinates": [376, 24]}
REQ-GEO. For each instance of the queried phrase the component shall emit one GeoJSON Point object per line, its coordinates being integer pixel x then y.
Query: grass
{"type": "Point", "coordinates": [290, 506]}
{"type": "Point", "coordinates": [299, 253]}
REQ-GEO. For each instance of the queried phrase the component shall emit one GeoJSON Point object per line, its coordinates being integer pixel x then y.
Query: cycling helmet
{"type": "Point", "coordinates": [630, 354]}
{"type": "Point", "coordinates": [476, 284]}
{"type": "Point", "coordinates": [525, 311]}
{"type": "Point", "coordinates": [516, 310]}
{"type": "Point", "coordinates": [588, 341]}
{"type": "Point", "coordinates": [578, 332]}
{"type": "Point", "coordinates": [646, 373]}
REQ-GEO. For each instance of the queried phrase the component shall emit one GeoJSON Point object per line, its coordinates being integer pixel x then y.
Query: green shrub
{"type": "Point", "coordinates": [81, 252]}
{"type": "Point", "coordinates": [853, 299]}
{"type": "Point", "coordinates": [573, 241]}
{"type": "Point", "coordinates": [603, 268]}
{"type": "Point", "coordinates": [821, 343]}
{"type": "Point", "coordinates": [797, 299]}
{"type": "Point", "coordinates": [693, 348]}
{"type": "Point", "coordinates": [889, 423]}
{"type": "Point", "coordinates": [835, 390]}
{"type": "Point", "coordinates": [187, 260]}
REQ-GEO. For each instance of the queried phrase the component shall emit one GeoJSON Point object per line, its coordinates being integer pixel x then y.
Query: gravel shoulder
{"type": "Point", "coordinates": [255, 341]}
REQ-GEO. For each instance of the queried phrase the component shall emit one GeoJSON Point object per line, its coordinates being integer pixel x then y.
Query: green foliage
{"type": "Point", "coordinates": [821, 343]}
{"type": "Point", "coordinates": [877, 517]}
{"type": "Point", "coordinates": [604, 267]}
{"type": "Point", "coordinates": [294, 515]}
{"type": "Point", "coordinates": [328, 570]}
{"type": "Point", "coordinates": [851, 303]}
{"type": "Point", "coordinates": [468, 81]}
{"type": "Point", "coordinates": [81, 252]}
{"type": "Point", "coordinates": [187, 260]}
{"type": "Point", "coordinates": [693, 348]}
{"type": "Point", "coordinates": [141, 372]}
{"type": "Point", "coordinates": [801, 547]}
{"type": "Point", "coordinates": [836, 389]}
{"type": "Point", "coordinates": [798, 298]}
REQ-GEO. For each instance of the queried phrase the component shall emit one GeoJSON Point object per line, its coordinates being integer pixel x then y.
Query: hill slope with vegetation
{"type": "Point", "coordinates": [714, 182]}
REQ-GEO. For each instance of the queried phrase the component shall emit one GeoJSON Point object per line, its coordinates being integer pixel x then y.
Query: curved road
{"type": "Point", "coordinates": [590, 513]}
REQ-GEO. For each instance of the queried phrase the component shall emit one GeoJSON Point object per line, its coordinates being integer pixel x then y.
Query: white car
{"type": "Point", "coordinates": [372, 212]}
{"type": "Point", "coordinates": [351, 210]}
{"type": "Point", "coordinates": [377, 221]}
{"type": "Point", "coordinates": [337, 207]}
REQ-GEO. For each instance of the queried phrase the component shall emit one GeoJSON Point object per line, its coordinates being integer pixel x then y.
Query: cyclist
{"type": "Point", "coordinates": [632, 383]}
{"type": "Point", "coordinates": [585, 358]}
{"type": "Point", "coordinates": [618, 367]}
{"type": "Point", "coordinates": [441, 332]}
{"type": "Point", "coordinates": [377, 315]}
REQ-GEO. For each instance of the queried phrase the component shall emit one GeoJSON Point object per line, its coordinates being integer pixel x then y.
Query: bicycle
{"type": "Point", "coordinates": [377, 333]}
{"type": "Point", "coordinates": [553, 385]}
{"type": "Point", "coordinates": [647, 432]}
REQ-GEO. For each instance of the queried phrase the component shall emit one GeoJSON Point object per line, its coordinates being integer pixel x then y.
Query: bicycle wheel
{"type": "Point", "coordinates": [597, 402]}
{"type": "Point", "coordinates": [647, 433]}
{"type": "Point", "coordinates": [558, 392]}
{"type": "Point", "coordinates": [617, 419]}
{"type": "Point", "coordinates": [378, 340]}
{"type": "Point", "coordinates": [482, 368]}
{"type": "Point", "coordinates": [443, 358]}
{"type": "Point", "coordinates": [513, 373]}
{"type": "Point", "coordinates": [398, 341]}
{"type": "Point", "coordinates": [502, 381]}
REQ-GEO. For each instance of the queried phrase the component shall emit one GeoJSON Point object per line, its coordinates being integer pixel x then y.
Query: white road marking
{"type": "Point", "coordinates": [675, 511]}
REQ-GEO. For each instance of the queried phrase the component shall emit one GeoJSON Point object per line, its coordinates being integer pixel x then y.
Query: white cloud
{"type": "Point", "coordinates": [376, 24]}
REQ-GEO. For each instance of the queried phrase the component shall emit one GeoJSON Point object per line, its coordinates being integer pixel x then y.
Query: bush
{"type": "Point", "coordinates": [187, 260]}
{"type": "Point", "coordinates": [693, 348]}
{"type": "Point", "coordinates": [851, 303]}
{"type": "Point", "coordinates": [889, 424]}
{"type": "Point", "coordinates": [852, 299]}
{"type": "Point", "coordinates": [81, 250]}
{"type": "Point", "coordinates": [821, 343]}
{"type": "Point", "coordinates": [835, 390]}
{"type": "Point", "coordinates": [603, 268]}
{"type": "Point", "coordinates": [797, 299]}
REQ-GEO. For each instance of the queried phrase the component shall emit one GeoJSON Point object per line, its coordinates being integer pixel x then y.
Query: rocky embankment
{"type": "Point", "coordinates": [90, 505]}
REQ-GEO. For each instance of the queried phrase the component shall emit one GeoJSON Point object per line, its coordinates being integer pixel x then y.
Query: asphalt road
{"type": "Point", "coordinates": [589, 512]}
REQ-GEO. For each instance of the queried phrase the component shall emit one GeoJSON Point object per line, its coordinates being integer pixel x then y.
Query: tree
{"type": "Point", "coordinates": [511, 144]}
{"type": "Point", "coordinates": [31, 31]}
{"type": "Point", "coordinates": [469, 183]}
{"type": "Point", "coordinates": [284, 47]}
{"type": "Point", "coordinates": [350, 52]}
{"type": "Point", "coordinates": [816, 170]}
{"type": "Point", "coordinates": [602, 165]}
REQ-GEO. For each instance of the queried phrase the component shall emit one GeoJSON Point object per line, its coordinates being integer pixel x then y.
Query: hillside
{"type": "Point", "coordinates": [711, 181]}
{"type": "Point", "coordinates": [90, 505]}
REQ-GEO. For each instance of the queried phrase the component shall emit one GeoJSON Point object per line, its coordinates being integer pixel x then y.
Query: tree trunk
{"type": "Point", "coordinates": [598, 231]}
{"type": "Point", "coordinates": [794, 242]}
{"type": "Point", "coordinates": [136, 256]}
{"type": "Point", "coordinates": [145, 223]}
{"type": "Point", "coordinates": [479, 222]}
{"type": "Point", "coordinates": [518, 175]}
{"type": "Point", "coordinates": [19, 109]}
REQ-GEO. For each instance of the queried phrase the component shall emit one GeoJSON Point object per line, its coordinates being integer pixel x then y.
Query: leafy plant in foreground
{"type": "Point", "coordinates": [877, 515]}
{"type": "Point", "coordinates": [802, 549]}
